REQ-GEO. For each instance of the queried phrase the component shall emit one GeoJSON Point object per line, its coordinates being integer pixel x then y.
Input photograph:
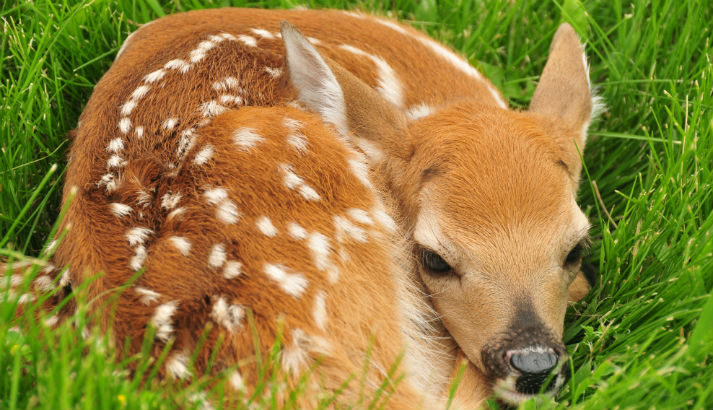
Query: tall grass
{"type": "Point", "coordinates": [643, 338]}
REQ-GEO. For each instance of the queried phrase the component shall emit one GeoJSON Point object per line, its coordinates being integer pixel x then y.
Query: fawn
{"type": "Point", "coordinates": [359, 186]}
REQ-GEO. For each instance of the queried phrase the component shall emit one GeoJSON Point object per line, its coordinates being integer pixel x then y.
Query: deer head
{"type": "Point", "coordinates": [486, 200]}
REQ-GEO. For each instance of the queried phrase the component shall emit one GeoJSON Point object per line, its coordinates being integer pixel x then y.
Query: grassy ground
{"type": "Point", "coordinates": [642, 339]}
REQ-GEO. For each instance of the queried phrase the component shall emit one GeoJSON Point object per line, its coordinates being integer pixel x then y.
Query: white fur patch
{"type": "Point", "coordinates": [345, 227]}
{"type": "Point", "coordinates": [170, 200]}
{"type": "Point", "coordinates": [137, 236]}
{"type": "Point", "coordinates": [204, 155]}
{"type": "Point", "coordinates": [361, 171]}
{"type": "Point", "coordinates": [389, 86]}
{"type": "Point", "coordinates": [263, 33]}
{"type": "Point", "coordinates": [155, 76]}
{"type": "Point", "coordinates": [360, 216]}
{"type": "Point", "coordinates": [140, 132]}
{"type": "Point", "coordinates": [247, 40]}
{"type": "Point", "coordinates": [115, 145]}
{"type": "Point", "coordinates": [212, 108]}
{"type": "Point", "coordinates": [124, 125]}
{"type": "Point", "coordinates": [182, 244]}
{"type": "Point", "coordinates": [246, 138]}
{"type": "Point", "coordinates": [177, 366]}
{"type": "Point", "coordinates": [320, 250]}
{"type": "Point", "coordinates": [384, 219]}
{"type": "Point", "coordinates": [147, 296]}
{"type": "Point", "coordinates": [179, 65]}
{"type": "Point", "coordinates": [228, 316]}
{"type": "Point", "coordinates": [293, 284]}
{"type": "Point", "coordinates": [163, 320]}
{"type": "Point", "coordinates": [296, 232]}
{"type": "Point", "coordinates": [419, 111]}
{"type": "Point", "coordinates": [229, 99]}
{"type": "Point", "coordinates": [128, 107]}
{"type": "Point", "coordinates": [319, 311]}
{"type": "Point", "coordinates": [264, 224]}
{"type": "Point", "coordinates": [274, 72]}
{"type": "Point", "coordinates": [140, 92]}
{"type": "Point", "coordinates": [215, 195]}
{"type": "Point", "coordinates": [236, 381]}
{"type": "Point", "coordinates": [120, 210]}
{"type": "Point", "coordinates": [294, 182]}
{"type": "Point", "coordinates": [170, 123]}
{"type": "Point", "coordinates": [296, 356]}
{"type": "Point", "coordinates": [217, 256]}
{"type": "Point", "coordinates": [115, 161]}
{"type": "Point", "coordinates": [227, 212]}
{"type": "Point", "coordinates": [138, 259]}
{"type": "Point", "coordinates": [232, 269]}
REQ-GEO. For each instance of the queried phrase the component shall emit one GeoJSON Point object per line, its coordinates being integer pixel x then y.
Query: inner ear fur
{"type": "Point", "coordinates": [355, 109]}
{"type": "Point", "coordinates": [564, 91]}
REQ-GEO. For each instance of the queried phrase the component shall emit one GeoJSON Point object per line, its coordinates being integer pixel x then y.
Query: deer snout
{"type": "Point", "coordinates": [534, 365]}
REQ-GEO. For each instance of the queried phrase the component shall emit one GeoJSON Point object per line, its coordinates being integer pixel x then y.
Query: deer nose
{"type": "Point", "coordinates": [531, 361]}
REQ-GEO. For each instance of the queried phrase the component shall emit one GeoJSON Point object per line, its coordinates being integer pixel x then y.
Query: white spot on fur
{"type": "Point", "coordinates": [298, 141]}
{"type": "Point", "coordinates": [227, 212]}
{"type": "Point", "coordinates": [232, 82]}
{"type": "Point", "coordinates": [319, 311]}
{"type": "Point", "coordinates": [293, 181]}
{"type": "Point", "coordinates": [124, 125]}
{"type": "Point", "coordinates": [419, 111]}
{"type": "Point", "coordinates": [217, 256]}
{"type": "Point", "coordinates": [179, 65]}
{"type": "Point", "coordinates": [274, 72]}
{"type": "Point", "coordinates": [246, 138]}
{"type": "Point", "coordinates": [360, 216]}
{"type": "Point", "coordinates": [176, 212]}
{"type": "Point", "coordinates": [389, 86]}
{"type": "Point", "coordinates": [163, 320]}
{"type": "Point", "coordinates": [170, 200]}
{"type": "Point", "coordinates": [147, 296]}
{"type": "Point", "coordinates": [197, 55]}
{"type": "Point", "coordinates": [215, 195]}
{"type": "Point", "coordinates": [228, 316]}
{"type": "Point", "coordinates": [140, 92]}
{"type": "Point", "coordinates": [212, 108]}
{"type": "Point", "coordinates": [320, 250]}
{"type": "Point", "coordinates": [231, 99]}
{"type": "Point", "coordinates": [344, 226]}
{"type": "Point", "coordinates": [263, 33]}
{"type": "Point", "coordinates": [232, 269]}
{"type": "Point", "coordinates": [170, 123]}
{"type": "Point", "coordinates": [361, 171]}
{"type": "Point", "coordinates": [248, 40]}
{"type": "Point", "coordinates": [115, 161]}
{"type": "Point", "coordinates": [236, 381]}
{"type": "Point", "coordinates": [206, 45]}
{"type": "Point", "coordinates": [293, 284]}
{"type": "Point", "coordinates": [120, 210]}
{"type": "Point", "coordinates": [137, 236]}
{"type": "Point", "coordinates": [140, 131]}
{"type": "Point", "coordinates": [51, 321]}
{"type": "Point", "coordinates": [128, 107]}
{"type": "Point", "coordinates": [264, 224]}
{"type": "Point", "coordinates": [186, 142]}
{"type": "Point", "coordinates": [296, 357]}
{"type": "Point", "coordinates": [296, 232]}
{"type": "Point", "coordinates": [182, 244]}
{"type": "Point", "coordinates": [138, 259]}
{"type": "Point", "coordinates": [44, 283]}
{"type": "Point", "coordinates": [384, 219]}
{"type": "Point", "coordinates": [115, 145]}
{"type": "Point", "coordinates": [204, 155]}
{"type": "Point", "coordinates": [177, 365]}
{"type": "Point", "coordinates": [155, 76]}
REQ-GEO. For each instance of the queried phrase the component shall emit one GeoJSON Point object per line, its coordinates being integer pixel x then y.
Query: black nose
{"type": "Point", "coordinates": [531, 361]}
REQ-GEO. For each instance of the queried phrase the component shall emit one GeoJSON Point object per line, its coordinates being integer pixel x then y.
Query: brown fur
{"type": "Point", "coordinates": [499, 185]}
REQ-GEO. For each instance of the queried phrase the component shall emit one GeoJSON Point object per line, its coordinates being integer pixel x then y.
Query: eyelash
{"type": "Point", "coordinates": [434, 263]}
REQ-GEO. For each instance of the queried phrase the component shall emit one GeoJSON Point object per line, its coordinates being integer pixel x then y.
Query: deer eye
{"type": "Point", "coordinates": [575, 255]}
{"type": "Point", "coordinates": [434, 263]}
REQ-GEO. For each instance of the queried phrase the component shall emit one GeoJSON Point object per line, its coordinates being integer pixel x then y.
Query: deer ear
{"type": "Point", "coordinates": [564, 91]}
{"type": "Point", "coordinates": [351, 106]}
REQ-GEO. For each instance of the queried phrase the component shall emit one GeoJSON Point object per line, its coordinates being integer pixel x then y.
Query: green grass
{"type": "Point", "coordinates": [643, 338]}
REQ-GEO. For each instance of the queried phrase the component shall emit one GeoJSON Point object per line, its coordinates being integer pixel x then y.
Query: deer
{"type": "Point", "coordinates": [346, 181]}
